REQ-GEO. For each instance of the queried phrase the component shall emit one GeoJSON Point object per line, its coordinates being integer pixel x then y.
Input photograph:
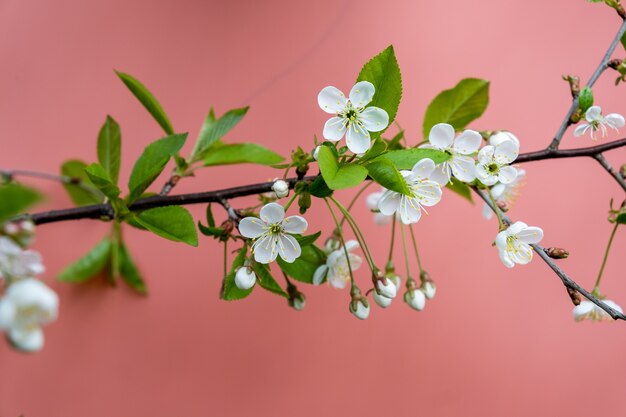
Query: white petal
{"type": "Point", "coordinates": [501, 240]}
{"type": "Point", "coordinates": [265, 249]}
{"type": "Point", "coordinates": [251, 227]}
{"type": "Point", "coordinates": [487, 212]}
{"type": "Point", "coordinates": [613, 305]}
{"type": "Point", "coordinates": [498, 138]}
{"type": "Point", "coordinates": [507, 174]}
{"type": "Point", "coordinates": [485, 176]}
{"type": "Point", "coordinates": [581, 129]}
{"type": "Point", "coordinates": [352, 245]}
{"type": "Point", "coordinates": [288, 248]}
{"type": "Point", "coordinates": [531, 235]}
{"type": "Point", "coordinates": [615, 120]}
{"type": "Point", "coordinates": [331, 100]}
{"type": "Point", "coordinates": [485, 155]}
{"type": "Point", "coordinates": [506, 152]}
{"type": "Point", "coordinates": [337, 281]}
{"type": "Point", "coordinates": [441, 174]}
{"type": "Point", "coordinates": [498, 189]}
{"type": "Point", "coordinates": [320, 274]}
{"type": "Point", "coordinates": [272, 213]}
{"type": "Point", "coordinates": [27, 340]}
{"type": "Point", "coordinates": [9, 247]}
{"type": "Point", "coordinates": [334, 129]}
{"type": "Point", "coordinates": [387, 289]}
{"type": "Point", "coordinates": [582, 310]}
{"type": "Point", "coordinates": [357, 139]}
{"type": "Point", "coordinates": [7, 314]}
{"type": "Point", "coordinates": [468, 142]}
{"type": "Point", "coordinates": [295, 224]}
{"type": "Point", "coordinates": [463, 168]}
{"type": "Point", "coordinates": [389, 202]}
{"type": "Point", "coordinates": [362, 93]}
{"type": "Point", "coordinates": [593, 114]}
{"type": "Point", "coordinates": [245, 279]}
{"type": "Point", "coordinates": [416, 300]}
{"type": "Point", "coordinates": [428, 193]}
{"type": "Point", "coordinates": [423, 168]}
{"type": "Point", "coordinates": [382, 301]}
{"type": "Point", "coordinates": [382, 219]}
{"type": "Point", "coordinates": [374, 119]}
{"type": "Point", "coordinates": [409, 210]}
{"type": "Point", "coordinates": [441, 136]}
{"type": "Point", "coordinates": [372, 200]}
{"type": "Point", "coordinates": [521, 253]}
{"type": "Point", "coordinates": [506, 260]}
{"type": "Point", "coordinates": [362, 312]}
{"type": "Point", "coordinates": [31, 293]}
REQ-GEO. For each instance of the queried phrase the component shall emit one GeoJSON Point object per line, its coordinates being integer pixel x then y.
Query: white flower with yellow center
{"type": "Point", "coordinates": [27, 305]}
{"type": "Point", "coordinates": [270, 232]}
{"type": "Point", "coordinates": [424, 193]}
{"type": "Point", "coordinates": [336, 270]}
{"type": "Point", "coordinates": [17, 263]}
{"type": "Point", "coordinates": [507, 193]}
{"type": "Point", "coordinates": [493, 163]}
{"type": "Point", "coordinates": [372, 203]}
{"type": "Point", "coordinates": [514, 243]}
{"type": "Point", "coordinates": [587, 310]}
{"type": "Point", "coordinates": [461, 163]}
{"type": "Point", "coordinates": [352, 118]}
{"type": "Point", "coordinates": [595, 122]}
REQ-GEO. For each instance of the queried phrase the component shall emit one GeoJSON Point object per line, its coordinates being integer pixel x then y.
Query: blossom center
{"type": "Point", "coordinates": [275, 229]}
{"type": "Point", "coordinates": [493, 168]}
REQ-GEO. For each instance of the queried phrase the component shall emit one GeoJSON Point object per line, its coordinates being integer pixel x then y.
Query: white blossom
{"type": "Point", "coordinates": [281, 188]}
{"type": "Point", "coordinates": [336, 270]}
{"type": "Point", "coordinates": [507, 193]}
{"type": "Point", "coordinates": [595, 122]}
{"type": "Point", "coordinates": [372, 203]}
{"type": "Point", "coordinates": [26, 306]}
{"type": "Point", "coordinates": [514, 243]}
{"type": "Point", "coordinates": [587, 310]}
{"type": "Point", "coordinates": [461, 163]}
{"type": "Point", "coordinates": [499, 137]}
{"type": "Point", "coordinates": [493, 163]}
{"type": "Point", "coordinates": [352, 118]}
{"type": "Point", "coordinates": [362, 310]}
{"type": "Point", "coordinates": [424, 192]}
{"type": "Point", "coordinates": [17, 263]}
{"type": "Point", "coordinates": [415, 299]}
{"type": "Point", "coordinates": [245, 278]}
{"type": "Point", "coordinates": [271, 234]}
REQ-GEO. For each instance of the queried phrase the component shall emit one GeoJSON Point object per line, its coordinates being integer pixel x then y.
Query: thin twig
{"type": "Point", "coordinates": [63, 179]}
{"type": "Point", "coordinates": [605, 164]}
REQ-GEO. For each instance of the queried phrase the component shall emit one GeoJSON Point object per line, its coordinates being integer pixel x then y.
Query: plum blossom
{"type": "Point", "coordinates": [595, 122]}
{"type": "Point", "coordinates": [587, 310]}
{"type": "Point", "coordinates": [17, 263]}
{"type": "Point", "coordinates": [272, 234]}
{"type": "Point", "coordinates": [424, 192]}
{"type": "Point", "coordinates": [493, 163]}
{"type": "Point", "coordinates": [352, 118]}
{"type": "Point", "coordinates": [514, 243]}
{"type": "Point", "coordinates": [336, 270]}
{"type": "Point", "coordinates": [461, 163]}
{"type": "Point", "coordinates": [507, 193]}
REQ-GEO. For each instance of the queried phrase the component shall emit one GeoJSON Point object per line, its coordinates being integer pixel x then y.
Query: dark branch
{"type": "Point", "coordinates": [590, 151]}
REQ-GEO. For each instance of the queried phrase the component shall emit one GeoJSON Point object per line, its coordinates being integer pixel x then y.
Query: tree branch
{"type": "Point", "coordinates": [549, 153]}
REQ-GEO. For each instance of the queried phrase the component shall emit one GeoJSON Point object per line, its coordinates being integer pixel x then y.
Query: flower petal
{"type": "Point", "coordinates": [468, 142]}
{"type": "Point", "coordinates": [506, 152]}
{"type": "Point", "coordinates": [334, 129]}
{"type": "Point", "coordinates": [374, 119]}
{"type": "Point", "coordinates": [463, 168]}
{"type": "Point", "coordinates": [272, 213]}
{"type": "Point", "coordinates": [389, 202]}
{"type": "Point", "coordinates": [581, 129]}
{"type": "Point", "coordinates": [441, 136]}
{"type": "Point", "coordinates": [593, 113]}
{"type": "Point", "coordinates": [288, 248]}
{"type": "Point", "coordinates": [27, 339]}
{"type": "Point", "coordinates": [265, 250]}
{"type": "Point", "coordinates": [382, 219]}
{"type": "Point", "coordinates": [485, 176]}
{"type": "Point", "coordinates": [485, 155]}
{"type": "Point", "coordinates": [521, 253]}
{"type": "Point", "coordinates": [531, 235]}
{"type": "Point", "coordinates": [428, 193]}
{"type": "Point", "coordinates": [615, 120]}
{"type": "Point", "coordinates": [506, 260]}
{"type": "Point", "coordinates": [423, 168]}
{"type": "Point", "coordinates": [251, 227]}
{"type": "Point", "coordinates": [583, 310]}
{"type": "Point", "coordinates": [295, 224]}
{"type": "Point", "coordinates": [352, 245]}
{"type": "Point", "coordinates": [362, 93]}
{"type": "Point", "coordinates": [357, 139]}
{"type": "Point", "coordinates": [498, 138]}
{"type": "Point", "coordinates": [320, 274]}
{"type": "Point", "coordinates": [410, 211]}
{"type": "Point", "coordinates": [507, 174]}
{"type": "Point", "coordinates": [487, 212]}
{"type": "Point", "coordinates": [498, 189]}
{"type": "Point", "coordinates": [372, 200]}
{"type": "Point", "coordinates": [441, 174]}
{"type": "Point", "coordinates": [331, 100]}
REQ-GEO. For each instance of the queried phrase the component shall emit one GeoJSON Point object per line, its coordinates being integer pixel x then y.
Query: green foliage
{"type": "Point", "coordinates": [459, 105]}
{"type": "Point", "coordinates": [129, 272]}
{"type": "Point", "coordinates": [303, 268]}
{"type": "Point", "coordinates": [461, 189]}
{"type": "Point", "coordinates": [319, 188]}
{"type": "Point", "coordinates": [378, 147]}
{"type": "Point", "coordinates": [151, 163]}
{"type": "Point", "coordinates": [90, 265]}
{"type": "Point", "coordinates": [385, 173]}
{"type": "Point", "coordinates": [146, 98]}
{"type": "Point", "coordinates": [407, 158]}
{"type": "Point", "coordinates": [81, 196]}
{"type": "Point", "coordinates": [585, 99]}
{"type": "Point", "coordinates": [383, 71]}
{"type": "Point", "coordinates": [171, 222]}
{"type": "Point", "coordinates": [214, 129]}
{"type": "Point", "coordinates": [306, 240]}
{"type": "Point", "coordinates": [16, 199]}
{"type": "Point", "coordinates": [100, 178]}
{"type": "Point", "coordinates": [231, 292]}
{"type": "Point", "coordinates": [339, 176]}
{"type": "Point", "coordinates": [265, 279]}
{"type": "Point", "coordinates": [110, 148]}
{"type": "Point", "coordinates": [621, 218]}
{"type": "Point", "coordinates": [240, 153]}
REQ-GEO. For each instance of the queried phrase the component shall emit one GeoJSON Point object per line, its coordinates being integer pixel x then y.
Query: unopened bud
{"type": "Point", "coordinates": [622, 171]}
{"type": "Point", "coordinates": [381, 300]}
{"type": "Point", "coordinates": [557, 253]}
{"type": "Point", "coordinates": [429, 289]}
{"type": "Point", "coordinates": [415, 299]}
{"type": "Point", "coordinates": [574, 295]}
{"type": "Point", "coordinates": [245, 278]}
{"type": "Point", "coordinates": [297, 301]}
{"type": "Point", "coordinates": [281, 188]}
{"type": "Point", "coordinates": [360, 308]}
{"type": "Point", "coordinates": [304, 202]}
{"type": "Point", "coordinates": [386, 287]}
{"type": "Point", "coordinates": [332, 244]}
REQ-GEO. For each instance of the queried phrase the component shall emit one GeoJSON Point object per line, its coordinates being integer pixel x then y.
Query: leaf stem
{"type": "Point", "coordinates": [496, 209]}
{"type": "Point", "coordinates": [357, 232]}
{"type": "Point", "coordinates": [417, 255]}
{"type": "Point", "coordinates": [356, 196]}
{"type": "Point", "coordinates": [393, 238]}
{"type": "Point", "coordinates": [342, 241]}
{"type": "Point", "coordinates": [406, 256]}
{"type": "Point", "coordinates": [596, 287]}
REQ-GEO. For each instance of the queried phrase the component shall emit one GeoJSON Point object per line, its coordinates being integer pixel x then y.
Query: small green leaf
{"type": "Point", "coordinates": [81, 196]}
{"type": "Point", "coordinates": [265, 279]}
{"type": "Point", "coordinates": [385, 173]}
{"type": "Point", "coordinates": [241, 153]}
{"type": "Point", "coordinates": [377, 148]}
{"type": "Point", "coordinates": [339, 176]}
{"type": "Point", "coordinates": [110, 148]}
{"type": "Point", "coordinates": [318, 188]}
{"type": "Point", "coordinates": [383, 71]}
{"type": "Point", "coordinates": [214, 129]}
{"type": "Point", "coordinates": [407, 158]}
{"type": "Point", "coordinates": [231, 292]}
{"type": "Point", "coordinates": [461, 189]}
{"type": "Point", "coordinates": [621, 218]}
{"type": "Point", "coordinates": [146, 98]}
{"type": "Point", "coordinates": [152, 162]}
{"type": "Point", "coordinates": [307, 239]}
{"type": "Point", "coordinates": [459, 105]}
{"type": "Point", "coordinates": [303, 268]}
{"type": "Point", "coordinates": [171, 222]}
{"type": "Point", "coordinates": [623, 40]}
{"type": "Point", "coordinates": [100, 178]}
{"type": "Point", "coordinates": [15, 199]}
{"type": "Point", "coordinates": [209, 216]}
{"type": "Point", "coordinates": [89, 265]}
{"type": "Point", "coordinates": [130, 273]}
{"type": "Point", "coordinates": [585, 99]}
{"type": "Point", "coordinates": [395, 142]}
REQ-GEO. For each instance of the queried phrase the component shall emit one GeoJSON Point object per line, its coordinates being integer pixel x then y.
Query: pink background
{"type": "Point", "coordinates": [494, 342]}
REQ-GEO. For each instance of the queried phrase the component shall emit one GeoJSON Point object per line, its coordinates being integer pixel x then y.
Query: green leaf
{"type": "Point", "coordinates": [265, 279]}
{"type": "Point", "coordinates": [395, 142]}
{"type": "Point", "coordinates": [81, 196]}
{"type": "Point", "coordinates": [339, 176]}
{"type": "Point", "coordinates": [152, 162]}
{"type": "Point", "coordinates": [585, 99]}
{"type": "Point", "coordinates": [406, 158]}
{"type": "Point", "coordinates": [214, 129]}
{"type": "Point", "coordinates": [459, 105]}
{"type": "Point", "coordinates": [383, 71]}
{"type": "Point", "coordinates": [241, 153]}
{"type": "Point", "coordinates": [171, 222]}
{"type": "Point", "coordinates": [303, 268]}
{"type": "Point", "coordinates": [231, 292]}
{"type": "Point", "coordinates": [15, 199]}
{"type": "Point", "coordinates": [461, 189]}
{"type": "Point", "coordinates": [209, 216]}
{"type": "Point", "coordinates": [146, 98]}
{"type": "Point", "coordinates": [307, 239]}
{"type": "Point", "coordinates": [130, 273]}
{"type": "Point", "coordinates": [385, 173]}
{"type": "Point", "coordinates": [319, 188]}
{"type": "Point", "coordinates": [100, 178]}
{"type": "Point", "coordinates": [110, 148]}
{"type": "Point", "coordinates": [90, 265]}
{"type": "Point", "coordinates": [621, 218]}
{"type": "Point", "coordinates": [623, 40]}
{"type": "Point", "coordinates": [377, 148]}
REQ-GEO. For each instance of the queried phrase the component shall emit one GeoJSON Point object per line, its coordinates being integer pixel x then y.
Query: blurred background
{"type": "Point", "coordinates": [493, 342]}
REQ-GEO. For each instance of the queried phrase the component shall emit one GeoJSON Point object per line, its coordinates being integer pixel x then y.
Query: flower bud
{"type": "Point", "coordinates": [386, 287]}
{"type": "Point", "coordinates": [360, 308]}
{"type": "Point", "coordinates": [245, 278]}
{"type": "Point", "coordinates": [397, 281]}
{"type": "Point", "coordinates": [557, 253]}
{"type": "Point", "coordinates": [316, 152]}
{"type": "Point", "coordinates": [574, 296]}
{"type": "Point", "coordinates": [622, 171]}
{"type": "Point", "coordinates": [332, 244]}
{"type": "Point", "coordinates": [381, 300]}
{"type": "Point", "coordinates": [297, 301]}
{"type": "Point", "coordinates": [281, 188]}
{"type": "Point", "coordinates": [415, 299]}
{"type": "Point", "coordinates": [429, 289]}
